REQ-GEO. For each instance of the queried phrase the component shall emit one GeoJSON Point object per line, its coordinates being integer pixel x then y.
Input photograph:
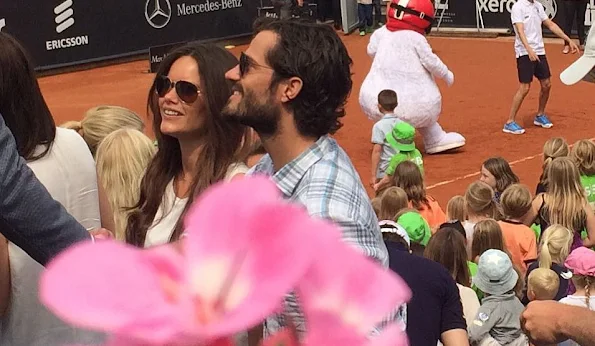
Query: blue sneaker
{"type": "Point", "coordinates": [513, 128]}
{"type": "Point", "coordinates": [543, 121]}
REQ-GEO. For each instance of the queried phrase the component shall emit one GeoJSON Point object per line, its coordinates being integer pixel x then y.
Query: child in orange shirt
{"type": "Point", "coordinates": [519, 238]}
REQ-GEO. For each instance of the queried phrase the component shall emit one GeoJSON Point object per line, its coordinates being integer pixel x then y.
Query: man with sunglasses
{"type": "Point", "coordinates": [29, 216]}
{"type": "Point", "coordinates": [291, 86]}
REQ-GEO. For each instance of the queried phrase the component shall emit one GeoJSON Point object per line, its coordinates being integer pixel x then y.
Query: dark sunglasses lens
{"type": "Point", "coordinates": [162, 85]}
{"type": "Point", "coordinates": [243, 64]}
{"type": "Point", "coordinates": [187, 91]}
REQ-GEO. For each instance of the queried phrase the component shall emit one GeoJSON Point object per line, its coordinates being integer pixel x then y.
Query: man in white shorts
{"type": "Point", "coordinates": [527, 17]}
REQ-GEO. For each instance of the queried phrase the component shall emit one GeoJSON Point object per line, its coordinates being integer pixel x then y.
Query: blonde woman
{"type": "Point", "coordinates": [553, 251]}
{"type": "Point", "coordinates": [100, 121]}
{"type": "Point", "coordinates": [122, 158]}
{"type": "Point", "coordinates": [553, 148]}
{"type": "Point", "coordinates": [480, 204]}
{"type": "Point", "coordinates": [564, 203]}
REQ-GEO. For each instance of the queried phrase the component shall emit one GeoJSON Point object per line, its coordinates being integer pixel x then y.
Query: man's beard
{"type": "Point", "coordinates": [262, 117]}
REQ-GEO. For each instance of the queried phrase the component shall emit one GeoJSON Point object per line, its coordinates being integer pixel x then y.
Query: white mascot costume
{"type": "Point", "coordinates": [404, 62]}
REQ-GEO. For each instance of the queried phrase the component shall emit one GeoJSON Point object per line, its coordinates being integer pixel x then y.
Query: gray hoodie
{"type": "Point", "coordinates": [498, 317]}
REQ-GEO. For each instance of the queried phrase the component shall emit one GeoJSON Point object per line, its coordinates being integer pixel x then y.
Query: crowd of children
{"type": "Point", "coordinates": [502, 246]}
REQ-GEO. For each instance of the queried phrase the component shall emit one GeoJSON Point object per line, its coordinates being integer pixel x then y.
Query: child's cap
{"type": "Point", "coordinates": [389, 226]}
{"type": "Point", "coordinates": [401, 137]}
{"type": "Point", "coordinates": [416, 226]}
{"type": "Point", "coordinates": [581, 261]}
{"type": "Point", "coordinates": [495, 274]}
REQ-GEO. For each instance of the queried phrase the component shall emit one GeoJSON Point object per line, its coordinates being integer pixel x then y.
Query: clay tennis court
{"type": "Point", "coordinates": [476, 106]}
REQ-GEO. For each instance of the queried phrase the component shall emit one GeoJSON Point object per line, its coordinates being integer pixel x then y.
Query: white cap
{"type": "Point", "coordinates": [584, 67]}
{"type": "Point", "coordinates": [389, 226]}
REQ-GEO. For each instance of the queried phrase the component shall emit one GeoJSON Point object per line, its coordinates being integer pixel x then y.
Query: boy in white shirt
{"type": "Point", "coordinates": [527, 17]}
{"type": "Point", "coordinates": [383, 151]}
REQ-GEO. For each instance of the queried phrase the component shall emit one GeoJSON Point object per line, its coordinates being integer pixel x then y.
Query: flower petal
{"type": "Point", "coordinates": [108, 286]}
{"type": "Point", "coordinates": [345, 282]}
{"type": "Point", "coordinates": [247, 248]}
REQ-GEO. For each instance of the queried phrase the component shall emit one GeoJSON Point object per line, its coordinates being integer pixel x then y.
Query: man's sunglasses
{"type": "Point", "coordinates": [246, 62]}
{"type": "Point", "coordinates": [186, 91]}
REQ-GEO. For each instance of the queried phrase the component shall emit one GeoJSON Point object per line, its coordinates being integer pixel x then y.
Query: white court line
{"type": "Point", "coordinates": [470, 175]}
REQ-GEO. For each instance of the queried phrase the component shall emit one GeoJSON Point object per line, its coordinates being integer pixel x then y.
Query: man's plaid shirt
{"type": "Point", "coordinates": [324, 180]}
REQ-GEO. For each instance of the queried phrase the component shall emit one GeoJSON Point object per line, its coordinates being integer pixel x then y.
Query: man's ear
{"type": "Point", "coordinates": [291, 88]}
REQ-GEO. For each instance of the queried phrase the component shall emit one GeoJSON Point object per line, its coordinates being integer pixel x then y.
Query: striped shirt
{"type": "Point", "coordinates": [324, 180]}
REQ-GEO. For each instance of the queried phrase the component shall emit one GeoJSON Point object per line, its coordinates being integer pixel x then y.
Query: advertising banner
{"type": "Point", "coordinates": [66, 32]}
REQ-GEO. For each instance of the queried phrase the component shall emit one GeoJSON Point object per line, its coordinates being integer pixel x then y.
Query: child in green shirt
{"type": "Point", "coordinates": [583, 153]}
{"type": "Point", "coordinates": [401, 139]}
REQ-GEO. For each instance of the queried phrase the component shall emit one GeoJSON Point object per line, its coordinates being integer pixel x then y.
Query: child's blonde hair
{"type": "Point", "coordinates": [555, 246]}
{"type": "Point", "coordinates": [566, 198]}
{"type": "Point", "coordinates": [376, 203]}
{"type": "Point", "coordinates": [487, 234]}
{"type": "Point", "coordinates": [479, 201]}
{"type": "Point", "coordinates": [122, 158]}
{"type": "Point", "coordinates": [553, 148]}
{"type": "Point", "coordinates": [100, 121]}
{"type": "Point", "coordinates": [543, 283]}
{"type": "Point", "coordinates": [393, 200]}
{"type": "Point", "coordinates": [586, 283]}
{"type": "Point", "coordinates": [455, 208]}
{"type": "Point", "coordinates": [515, 201]}
{"type": "Point", "coordinates": [583, 153]}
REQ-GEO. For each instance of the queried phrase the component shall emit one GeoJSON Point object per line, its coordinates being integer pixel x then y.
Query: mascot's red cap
{"type": "Point", "coordinates": [416, 15]}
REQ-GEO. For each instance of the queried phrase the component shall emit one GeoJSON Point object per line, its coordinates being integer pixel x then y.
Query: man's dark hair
{"type": "Point", "coordinates": [388, 100]}
{"type": "Point", "coordinates": [315, 54]}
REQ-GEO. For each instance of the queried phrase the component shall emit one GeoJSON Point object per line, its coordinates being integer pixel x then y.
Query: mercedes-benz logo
{"type": "Point", "coordinates": [158, 16]}
{"type": "Point", "coordinates": [550, 6]}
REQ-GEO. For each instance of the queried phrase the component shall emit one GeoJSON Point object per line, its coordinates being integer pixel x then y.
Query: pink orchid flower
{"type": "Point", "coordinates": [346, 295]}
{"type": "Point", "coordinates": [245, 248]}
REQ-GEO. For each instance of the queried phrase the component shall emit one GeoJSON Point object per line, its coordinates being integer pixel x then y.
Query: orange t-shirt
{"type": "Point", "coordinates": [434, 215]}
{"type": "Point", "coordinates": [520, 241]}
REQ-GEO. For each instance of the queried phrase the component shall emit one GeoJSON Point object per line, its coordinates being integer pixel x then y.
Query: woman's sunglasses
{"type": "Point", "coordinates": [186, 91]}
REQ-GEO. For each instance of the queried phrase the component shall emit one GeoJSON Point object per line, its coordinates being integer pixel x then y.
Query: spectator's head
{"type": "Point", "coordinates": [293, 79]}
{"type": "Point", "coordinates": [455, 208]}
{"type": "Point", "coordinates": [480, 202]}
{"type": "Point", "coordinates": [393, 200]}
{"type": "Point", "coordinates": [497, 173]}
{"type": "Point", "coordinates": [566, 198]}
{"type": "Point", "coordinates": [122, 158]}
{"type": "Point", "coordinates": [553, 148]}
{"type": "Point", "coordinates": [387, 101]}
{"type": "Point", "coordinates": [394, 235]}
{"type": "Point", "coordinates": [487, 234]}
{"type": "Point", "coordinates": [376, 205]}
{"type": "Point", "coordinates": [583, 153]}
{"type": "Point", "coordinates": [542, 284]}
{"type": "Point", "coordinates": [581, 262]}
{"type": "Point", "coordinates": [447, 247]}
{"type": "Point", "coordinates": [554, 246]}
{"type": "Point", "coordinates": [409, 178]}
{"type": "Point", "coordinates": [100, 121]}
{"type": "Point", "coordinates": [21, 103]}
{"type": "Point", "coordinates": [515, 201]}
{"type": "Point", "coordinates": [417, 228]}
{"type": "Point", "coordinates": [495, 273]}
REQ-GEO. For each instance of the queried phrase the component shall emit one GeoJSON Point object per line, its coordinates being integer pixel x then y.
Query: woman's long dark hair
{"type": "Point", "coordinates": [21, 103]}
{"type": "Point", "coordinates": [223, 137]}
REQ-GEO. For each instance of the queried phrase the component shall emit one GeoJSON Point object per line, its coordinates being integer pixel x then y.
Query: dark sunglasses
{"type": "Point", "coordinates": [186, 91]}
{"type": "Point", "coordinates": [246, 63]}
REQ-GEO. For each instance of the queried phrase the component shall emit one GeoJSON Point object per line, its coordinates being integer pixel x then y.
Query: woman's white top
{"type": "Point", "coordinates": [68, 172]}
{"type": "Point", "coordinates": [171, 209]}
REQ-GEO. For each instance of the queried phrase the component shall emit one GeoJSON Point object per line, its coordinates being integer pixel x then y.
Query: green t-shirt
{"type": "Point", "coordinates": [588, 182]}
{"type": "Point", "coordinates": [402, 156]}
{"type": "Point", "coordinates": [473, 271]}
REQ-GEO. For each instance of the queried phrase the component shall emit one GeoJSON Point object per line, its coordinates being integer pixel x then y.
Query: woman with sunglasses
{"type": "Point", "coordinates": [197, 147]}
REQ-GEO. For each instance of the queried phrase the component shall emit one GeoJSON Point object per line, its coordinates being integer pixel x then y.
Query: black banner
{"type": "Point", "coordinates": [496, 13]}
{"type": "Point", "coordinates": [67, 32]}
